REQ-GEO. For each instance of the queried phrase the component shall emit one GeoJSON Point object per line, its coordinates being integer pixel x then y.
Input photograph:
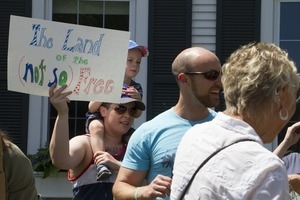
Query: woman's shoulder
{"type": "Point", "coordinates": [82, 143]}
{"type": "Point", "coordinates": [84, 136]}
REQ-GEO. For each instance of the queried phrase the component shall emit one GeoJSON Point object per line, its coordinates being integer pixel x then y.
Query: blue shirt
{"type": "Point", "coordinates": [152, 147]}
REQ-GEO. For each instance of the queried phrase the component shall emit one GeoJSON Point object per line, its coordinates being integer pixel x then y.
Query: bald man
{"type": "Point", "coordinates": [152, 147]}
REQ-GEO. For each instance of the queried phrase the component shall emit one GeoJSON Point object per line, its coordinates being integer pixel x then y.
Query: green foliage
{"type": "Point", "coordinates": [41, 162]}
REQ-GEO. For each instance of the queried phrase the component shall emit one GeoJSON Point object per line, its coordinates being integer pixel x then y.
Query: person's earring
{"type": "Point", "coordinates": [284, 118]}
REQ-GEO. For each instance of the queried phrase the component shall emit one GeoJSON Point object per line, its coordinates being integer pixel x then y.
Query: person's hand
{"type": "Point", "coordinates": [294, 180]}
{"type": "Point", "coordinates": [291, 137]}
{"type": "Point", "coordinates": [159, 187]}
{"type": "Point", "coordinates": [59, 99]}
{"type": "Point", "coordinates": [103, 157]}
{"type": "Point", "coordinates": [133, 93]}
{"type": "Point", "coordinates": [292, 134]}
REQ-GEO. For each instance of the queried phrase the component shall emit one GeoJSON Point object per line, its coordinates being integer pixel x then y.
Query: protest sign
{"type": "Point", "coordinates": [90, 60]}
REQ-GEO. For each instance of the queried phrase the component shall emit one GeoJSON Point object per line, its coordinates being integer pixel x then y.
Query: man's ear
{"type": "Point", "coordinates": [182, 78]}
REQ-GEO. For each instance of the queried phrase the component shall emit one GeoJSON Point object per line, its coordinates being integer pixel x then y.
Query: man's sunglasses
{"type": "Point", "coordinates": [120, 109]}
{"type": "Point", "coordinates": [210, 75]}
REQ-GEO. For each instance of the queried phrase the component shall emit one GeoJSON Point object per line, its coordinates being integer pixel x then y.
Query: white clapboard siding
{"type": "Point", "coordinates": [204, 24]}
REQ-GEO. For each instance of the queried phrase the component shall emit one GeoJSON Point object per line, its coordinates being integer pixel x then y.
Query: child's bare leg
{"type": "Point", "coordinates": [96, 130]}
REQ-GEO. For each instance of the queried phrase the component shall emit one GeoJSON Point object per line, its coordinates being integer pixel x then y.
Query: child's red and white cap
{"type": "Point", "coordinates": [133, 45]}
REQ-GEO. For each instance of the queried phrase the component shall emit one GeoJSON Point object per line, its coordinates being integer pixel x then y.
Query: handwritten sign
{"type": "Point", "coordinates": [91, 61]}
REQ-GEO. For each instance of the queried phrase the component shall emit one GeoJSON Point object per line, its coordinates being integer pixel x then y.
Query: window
{"type": "Point", "coordinates": [289, 39]}
{"type": "Point", "coordinates": [289, 36]}
{"type": "Point", "coordinates": [97, 13]}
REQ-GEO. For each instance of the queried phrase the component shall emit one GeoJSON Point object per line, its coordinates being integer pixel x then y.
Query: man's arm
{"type": "Point", "coordinates": [130, 184]}
{"type": "Point", "coordinates": [127, 182]}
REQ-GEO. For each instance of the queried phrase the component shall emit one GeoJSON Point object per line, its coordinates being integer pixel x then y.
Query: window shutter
{"type": "Point", "coordinates": [169, 33]}
{"type": "Point", "coordinates": [238, 23]}
{"type": "Point", "coordinates": [13, 105]}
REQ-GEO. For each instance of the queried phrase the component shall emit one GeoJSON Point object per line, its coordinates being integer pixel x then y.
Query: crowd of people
{"type": "Point", "coordinates": [188, 151]}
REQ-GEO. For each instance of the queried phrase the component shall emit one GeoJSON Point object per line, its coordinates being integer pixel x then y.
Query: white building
{"type": "Point", "coordinates": [166, 27]}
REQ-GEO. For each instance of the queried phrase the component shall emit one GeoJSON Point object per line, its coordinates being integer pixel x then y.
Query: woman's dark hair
{"type": "Point", "coordinates": [126, 136]}
{"type": "Point", "coordinates": [4, 139]}
{"type": "Point", "coordinates": [105, 104]}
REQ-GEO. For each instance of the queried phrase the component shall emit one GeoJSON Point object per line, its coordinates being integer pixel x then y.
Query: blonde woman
{"type": "Point", "coordinates": [260, 85]}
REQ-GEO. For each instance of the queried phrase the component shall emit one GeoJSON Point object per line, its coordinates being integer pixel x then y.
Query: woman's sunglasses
{"type": "Point", "coordinates": [210, 75]}
{"type": "Point", "coordinates": [120, 109]}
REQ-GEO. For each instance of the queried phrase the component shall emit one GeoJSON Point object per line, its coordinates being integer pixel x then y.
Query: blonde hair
{"type": "Point", "coordinates": [252, 76]}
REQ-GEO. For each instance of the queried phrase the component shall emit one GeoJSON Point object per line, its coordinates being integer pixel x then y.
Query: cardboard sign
{"type": "Point", "coordinates": [91, 61]}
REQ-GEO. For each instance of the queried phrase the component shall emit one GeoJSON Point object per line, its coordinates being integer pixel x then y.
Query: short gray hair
{"type": "Point", "coordinates": [252, 76]}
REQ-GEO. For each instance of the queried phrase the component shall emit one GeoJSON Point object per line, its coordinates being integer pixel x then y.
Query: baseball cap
{"type": "Point", "coordinates": [133, 45]}
{"type": "Point", "coordinates": [127, 99]}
